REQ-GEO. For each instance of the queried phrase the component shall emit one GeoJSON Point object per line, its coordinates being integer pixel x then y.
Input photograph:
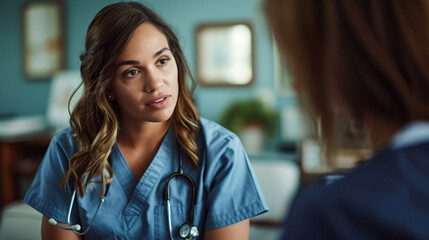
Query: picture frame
{"type": "Point", "coordinates": [43, 40]}
{"type": "Point", "coordinates": [225, 54]}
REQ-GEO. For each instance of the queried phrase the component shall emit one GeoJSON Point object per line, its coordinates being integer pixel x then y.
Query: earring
{"type": "Point", "coordinates": [110, 97]}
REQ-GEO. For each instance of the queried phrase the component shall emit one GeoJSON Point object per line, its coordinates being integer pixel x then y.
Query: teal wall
{"type": "Point", "coordinates": [17, 95]}
{"type": "Point", "coordinates": [23, 97]}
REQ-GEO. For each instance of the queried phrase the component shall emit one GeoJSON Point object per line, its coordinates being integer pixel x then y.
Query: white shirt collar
{"type": "Point", "coordinates": [412, 134]}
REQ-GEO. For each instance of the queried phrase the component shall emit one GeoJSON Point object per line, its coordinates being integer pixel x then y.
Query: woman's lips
{"type": "Point", "coordinates": [159, 102]}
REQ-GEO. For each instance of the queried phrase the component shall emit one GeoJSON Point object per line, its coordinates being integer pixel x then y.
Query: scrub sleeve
{"type": "Point", "coordinates": [45, 194]}
{"type": "Point", "coordinates": [233, 191]}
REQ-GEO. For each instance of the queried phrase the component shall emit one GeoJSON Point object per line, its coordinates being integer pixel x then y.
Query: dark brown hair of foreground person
{"type": "Point", "coordinates": [369, 58]}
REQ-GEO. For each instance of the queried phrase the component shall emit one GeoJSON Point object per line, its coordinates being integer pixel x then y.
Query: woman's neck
{"type": "Point", "coordinates": [139, 144]}
{"type": "Point", "coordinates": [144, 134]}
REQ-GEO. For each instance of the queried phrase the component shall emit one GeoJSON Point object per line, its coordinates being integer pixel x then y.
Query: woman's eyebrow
{"type": "Point", "coordinates": [159, 52]}
{"type": "Point", "coordinates": [128, 62]}
{"type": "Point", "coordinates": [135, 62]}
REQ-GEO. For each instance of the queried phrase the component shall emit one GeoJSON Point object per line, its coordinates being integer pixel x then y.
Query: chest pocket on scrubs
{"type": "Point", "coordinates": [179, 216]}
{"type": "Point", "coordinates": [104, 226]}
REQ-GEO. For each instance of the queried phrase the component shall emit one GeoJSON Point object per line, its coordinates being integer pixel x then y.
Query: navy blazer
{"type": "Point", "coordinates": [387, 198]}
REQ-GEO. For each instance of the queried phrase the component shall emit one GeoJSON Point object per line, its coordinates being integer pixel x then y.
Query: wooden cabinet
{"type": "Point", "coordinates": [19, 156]}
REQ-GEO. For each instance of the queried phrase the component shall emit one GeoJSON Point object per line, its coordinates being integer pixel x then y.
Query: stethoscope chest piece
{"type": "Point", "coordinates": [187, 231]}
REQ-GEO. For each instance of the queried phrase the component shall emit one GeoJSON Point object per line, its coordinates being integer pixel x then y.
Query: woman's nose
{"type": "Point", "coordinates": [153, 81]}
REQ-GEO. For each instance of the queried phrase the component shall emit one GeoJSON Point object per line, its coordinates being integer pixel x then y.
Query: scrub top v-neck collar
{"type": "Point", "coordinates": [138, 192]}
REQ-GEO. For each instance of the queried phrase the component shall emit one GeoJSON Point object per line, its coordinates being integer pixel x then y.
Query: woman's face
{"type": "Point", "coordinates": [146, 79]}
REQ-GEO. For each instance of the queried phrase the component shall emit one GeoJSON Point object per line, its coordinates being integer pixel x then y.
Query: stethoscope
{"type": "Point", "coordinates": [186, 231]}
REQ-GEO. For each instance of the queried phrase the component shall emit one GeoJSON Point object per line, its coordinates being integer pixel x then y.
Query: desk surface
{"type": "Point", "coordinates": [272, 155]}
{"type": "Point", "coordinates": [42, 136]}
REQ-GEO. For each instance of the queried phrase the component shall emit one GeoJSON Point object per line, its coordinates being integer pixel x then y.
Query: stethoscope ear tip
{"type": "Point", "coordinates": [76, 227]}
{"type": "Point", "coordinates": [52, 221]}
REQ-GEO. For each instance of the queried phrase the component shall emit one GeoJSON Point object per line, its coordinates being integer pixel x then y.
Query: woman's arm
{"type": "Point", "coordinates": [51, 232]}
{"type": "Point", "coordinates": [235, 231]}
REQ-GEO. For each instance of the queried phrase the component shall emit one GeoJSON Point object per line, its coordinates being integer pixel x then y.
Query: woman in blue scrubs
{"type": "Point", "coordinates": [134, 128]}
{"type": "Point", "coordinates": [368, 59]}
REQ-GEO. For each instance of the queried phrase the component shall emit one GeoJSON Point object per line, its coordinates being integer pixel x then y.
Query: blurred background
{"type": "Point", "coordinates": [242, 84]}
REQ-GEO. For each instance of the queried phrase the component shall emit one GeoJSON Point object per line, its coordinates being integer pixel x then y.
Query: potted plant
{"type": "Point", "coordinates": [252, 121]}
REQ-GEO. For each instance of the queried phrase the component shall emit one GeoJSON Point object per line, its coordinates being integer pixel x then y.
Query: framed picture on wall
{"type": "Point", "coordinates": [43, 39]}
{"type": "Point", "coordinates": [224, 54]}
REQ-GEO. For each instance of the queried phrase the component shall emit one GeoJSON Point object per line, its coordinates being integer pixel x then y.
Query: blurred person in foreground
{"type": "Point", "coordinates": [368, 59]}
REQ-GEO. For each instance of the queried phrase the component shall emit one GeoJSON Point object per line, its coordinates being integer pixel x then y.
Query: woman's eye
{"type": "Point", "coordinates": [131, 73]}
{"type": "Point", "coordinates": [163, 61]}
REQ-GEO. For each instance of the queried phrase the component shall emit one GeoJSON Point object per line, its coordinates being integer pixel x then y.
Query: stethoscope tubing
{"type": "Point", "coordinates": [167, 191]}
{"type": "Point", "coordinates": [179, 173]}
{"type": "Point", "coordinates": [76, 228]}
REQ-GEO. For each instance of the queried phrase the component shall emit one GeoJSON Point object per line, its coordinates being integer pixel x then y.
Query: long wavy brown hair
{"type": "Point", "coordinates": [94, 120]}
{"type": "Point", "coordinates": [371, 55]}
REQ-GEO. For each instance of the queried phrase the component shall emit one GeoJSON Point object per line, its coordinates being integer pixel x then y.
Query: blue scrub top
{"type": "Point", "coordinates": [387, 198]}
{"type": "Point", "coordinates": [227, 191]}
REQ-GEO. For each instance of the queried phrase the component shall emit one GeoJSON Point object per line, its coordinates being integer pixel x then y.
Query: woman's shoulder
{"type": "Point", "coordinates": [371, 191]}
{"type": "Point", "coordinates": [60, 150]}
{"type": "Point", "coordinates": [330, 197]}
{"type": "Point", "coordinates": [64, 139]}
{"type": "Point", "coordinates": [372, 181]}
{"type": "Point", "coordinates": [214, 134]}
{"type": "Point", "coordinates": [213, 129]}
